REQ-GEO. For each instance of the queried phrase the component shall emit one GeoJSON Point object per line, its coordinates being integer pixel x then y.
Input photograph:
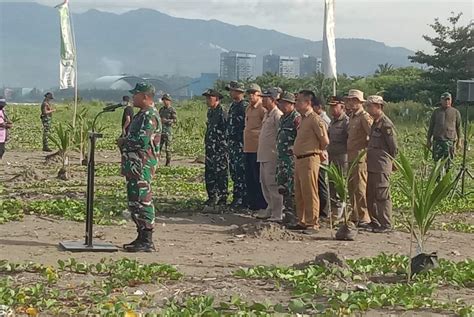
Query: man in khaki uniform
{"type": "Point", "coordinates": [444, 132]}
{"type": "Point", "coordinates": [254, 114]}
{"type": "Point", "coordinates": [381, 150]}
{"type": "Point", "coordinates": [337, 148]}
{"type": "Point", "coordinates": [267, 156]}
{"type": "Point", "coordinates": [310, 143]}
{"type": "Point", "coordinates": [358, 139]}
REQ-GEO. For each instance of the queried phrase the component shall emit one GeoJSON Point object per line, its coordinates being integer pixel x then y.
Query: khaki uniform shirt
{"type": "Point", "coordinates": [310, 132]}
{"type": "Point", "coordinates": [358, 133]}
{"type": "Point", "coordinates": [338, 134]}
{"type": "Point", "coordinates": [445, 124]}
{"type": "Point", "coordinates": [267, 149]}
{"type": "Point", "coordinates": [382, 146]}
{"type": "Point", "coordinates": [253, 124]}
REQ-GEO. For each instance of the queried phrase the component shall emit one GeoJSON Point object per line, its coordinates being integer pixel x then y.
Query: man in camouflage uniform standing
{"type": "Point", "coordinates": [381, 150]}
{"type": "Point", "coordinates": [235, 136]}
{"type": "Point", "coordinates": [286, 136]}
{"type": "Point", "coordinates": [216, 164]}
{"type": "Point", "coordinates": [168, 119]}
{"type": "Point", "coordinates": [46, 118]}
{"type": "Point", "coordinates": [444, 131]}
{"type": "Point", "coordinates": [140, 149]}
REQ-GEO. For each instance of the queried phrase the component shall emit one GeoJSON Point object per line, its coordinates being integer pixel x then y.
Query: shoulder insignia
{"type": "Point", "coordinates": [389, 131]}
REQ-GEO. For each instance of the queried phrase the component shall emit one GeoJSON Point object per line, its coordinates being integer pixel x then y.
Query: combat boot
{"type": "Point", "coordinates": [136, 241]}
{"type": "Point", "coordinates": [145, 244]}
{"type": "Point", "coordinates": [168, 161]}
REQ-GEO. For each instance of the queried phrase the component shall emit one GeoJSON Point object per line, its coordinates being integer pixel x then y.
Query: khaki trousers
{"type": "Point", "coordinates": [379, 202]}
{"type": "Point", "coordinates": [306, 191]}
{"type": "Point", "coordinates": [357, 193]}
{"type": "Point", "coordinates": [270, 189]}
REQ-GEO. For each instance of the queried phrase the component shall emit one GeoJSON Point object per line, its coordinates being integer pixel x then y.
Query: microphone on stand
{"type": "Point", "coordinates": [111, 108]}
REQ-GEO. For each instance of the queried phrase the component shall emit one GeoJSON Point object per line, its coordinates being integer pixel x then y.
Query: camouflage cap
{"type": "Point", "coordinates": [375, 99]}
{"type": "Point", "coordinates": [212, 93]}
{"type": "Point", "coordinates": [446, 95]}
{"type": "Point", "coordinates": [236, 86]}
{"type": "Point", "coordinates": [167, 97]}
{"type": "Point", "coordinates": [273, 92]}
{"type": "Point", "coordinates": [143, 87]}
{"type": "Point", "coordinates": [288, 96]}
{"type": "Point", "coordinates": [355, 93]}
{"type": "Point", "coordinates": [253, 88]}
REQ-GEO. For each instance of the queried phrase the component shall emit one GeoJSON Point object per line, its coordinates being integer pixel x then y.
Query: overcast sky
{"type": "Point", "coordinates": [395, 22]}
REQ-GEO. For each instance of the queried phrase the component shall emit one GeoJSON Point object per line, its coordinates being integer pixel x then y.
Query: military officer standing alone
{"type": "Point", "coordinates": [337, 148]}
{"type": "Point", "coordinates": [140, 151]}
{"type": "Point", "coordinates": [444, 132]}
{"type": "Point", "coordinates": [235, 136]}
{"type": "Point", "coordinates": [216, 164]}
{"type": "Point", "coordinates": [309, 150]}
{"type": "Point", "coordinates": [46, 118]}
{"type": "Point", "coordinates": [358, 137]}
{"type": "Point", "coordinates": [168, 119]}
{"type": "Point", "coordinates": [381, 150]}
{"type": "Point", "coordinates": [286, 135]}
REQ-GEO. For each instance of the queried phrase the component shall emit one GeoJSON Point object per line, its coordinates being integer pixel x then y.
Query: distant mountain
{"type": "Point", "coordinates": [147, 41]}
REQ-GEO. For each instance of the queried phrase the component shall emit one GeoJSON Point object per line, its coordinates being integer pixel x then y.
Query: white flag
{"type": "Point", "coordinates": [67, 66]}
{"type": "Point", "coordinates": [329, 41]}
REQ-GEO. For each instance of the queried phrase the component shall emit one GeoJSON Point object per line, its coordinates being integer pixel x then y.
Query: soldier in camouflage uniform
{"type": "Point", "coordinates": [140, 151]}
{"type": "Point", "coordinates": [46, 117]}
{"type": "Point", "coordinates": [235, 136]}
{"type": "Point", "coordinates": [168, 119]}
{"type": "Point", "coordinates": [216, 164]}
{"type": "Point", "coordinates": [286, 136]}
{"type": "Point", "coordinates": [444, 131]}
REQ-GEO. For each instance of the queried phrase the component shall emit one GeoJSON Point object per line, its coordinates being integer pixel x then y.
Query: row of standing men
{"type": "Point", "coordinates": [274, 146]}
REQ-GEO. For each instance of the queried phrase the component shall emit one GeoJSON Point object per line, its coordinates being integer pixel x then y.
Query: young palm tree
{"type": "Point", "coordinates": [62, 139]}
{"type": "Point", "coordinates": [340, 181]}
{"type": "Point", "coordinates": [426, 192]}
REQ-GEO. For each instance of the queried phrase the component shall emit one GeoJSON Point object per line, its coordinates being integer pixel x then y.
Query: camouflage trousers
{"type": "Point", "coordinates": [237, 169]}
{"type": "Point", "coordinates": [216, 174]}
{"type": "Point", "coordinates": [443, 149]}
{"type": "Point", "coordinates": [285, 180]}
{"type": "Point", "coordinates": [166, 145]}
{"type": "Point", "coordinates": [140, 201]}
{"type": "Point", "coordinates": [46, 121]}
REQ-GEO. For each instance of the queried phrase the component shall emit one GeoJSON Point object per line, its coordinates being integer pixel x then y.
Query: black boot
{"type": "Point", "coordinates": [168, 161]}
{"type": "Point", "coordinates": [134, 242]}
{"type": "Point", "coordinates": [145, 244]}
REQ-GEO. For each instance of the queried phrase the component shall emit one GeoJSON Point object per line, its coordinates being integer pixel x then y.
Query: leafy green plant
{"type": "Point", "coordinates": [62, 139]}
{"type": "Point", "coordinates": [426, 193]}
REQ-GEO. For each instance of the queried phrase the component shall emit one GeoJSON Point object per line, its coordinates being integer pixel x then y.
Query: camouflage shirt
{"type": "Point", "coordinates": [236, 123]}
{"type": "Point", "coordinates": [287, 133]}
{"type": "Point", "coordinates": [168, 118]}
{"type": "Point", "coordinates": [445, 124]}
{"type": "Point", "coordinates": [141, 146]}
{"type": "Point", "coordinates": [215, 138]}
{"type": "Point", "coordinates": [45, 106]}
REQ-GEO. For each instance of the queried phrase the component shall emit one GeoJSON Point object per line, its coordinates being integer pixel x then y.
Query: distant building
{"type": "Point", "coordinates": [271, 64]}
{"type": "Point", "coordinates": [237, 65]}
{"type": "Point", "coordinates": [288, 67]}
{"type": "Point", "coordinates": [308, 66]}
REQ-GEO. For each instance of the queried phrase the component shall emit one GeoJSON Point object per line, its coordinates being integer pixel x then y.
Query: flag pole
{"type": "Point", "coordinates": [76, 72]}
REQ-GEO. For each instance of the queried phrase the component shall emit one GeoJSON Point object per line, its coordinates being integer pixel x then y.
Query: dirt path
{"type": "Point", "coordinates": [210, 245]}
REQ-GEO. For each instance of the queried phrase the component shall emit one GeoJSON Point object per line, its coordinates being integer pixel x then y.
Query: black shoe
{"type": "Point", "coordinates": [296, 227]}
{"type": "Point", "coordinates": [168, 161]}
{"type": "Point", "coordinates": [47, 150]}
{"type": "Point", "coordinates": [382, 230]}
{"type": "Point", "coordinates": [145, 245]}
{"type": "Point", "coordinates": [365, 225]}
{"type": "Point", "coordinates": [134, 242]}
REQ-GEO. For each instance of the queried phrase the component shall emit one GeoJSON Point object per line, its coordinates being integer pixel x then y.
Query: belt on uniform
{"type": "Point", "coordinates": [299, 157]}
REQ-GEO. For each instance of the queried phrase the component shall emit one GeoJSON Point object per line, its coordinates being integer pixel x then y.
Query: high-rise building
{"type": "Point", "coordinates": [237, 65]}
{"type": "Point", "coordinates": [308, 66]}
{"type": "Point", "coordinates": [271, 64]}
{"type": "Point", "coordinates": [288, 67]}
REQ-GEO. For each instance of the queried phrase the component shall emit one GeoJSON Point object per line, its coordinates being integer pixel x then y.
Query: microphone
{"type": "Point", "coordinates": [111, 108]}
